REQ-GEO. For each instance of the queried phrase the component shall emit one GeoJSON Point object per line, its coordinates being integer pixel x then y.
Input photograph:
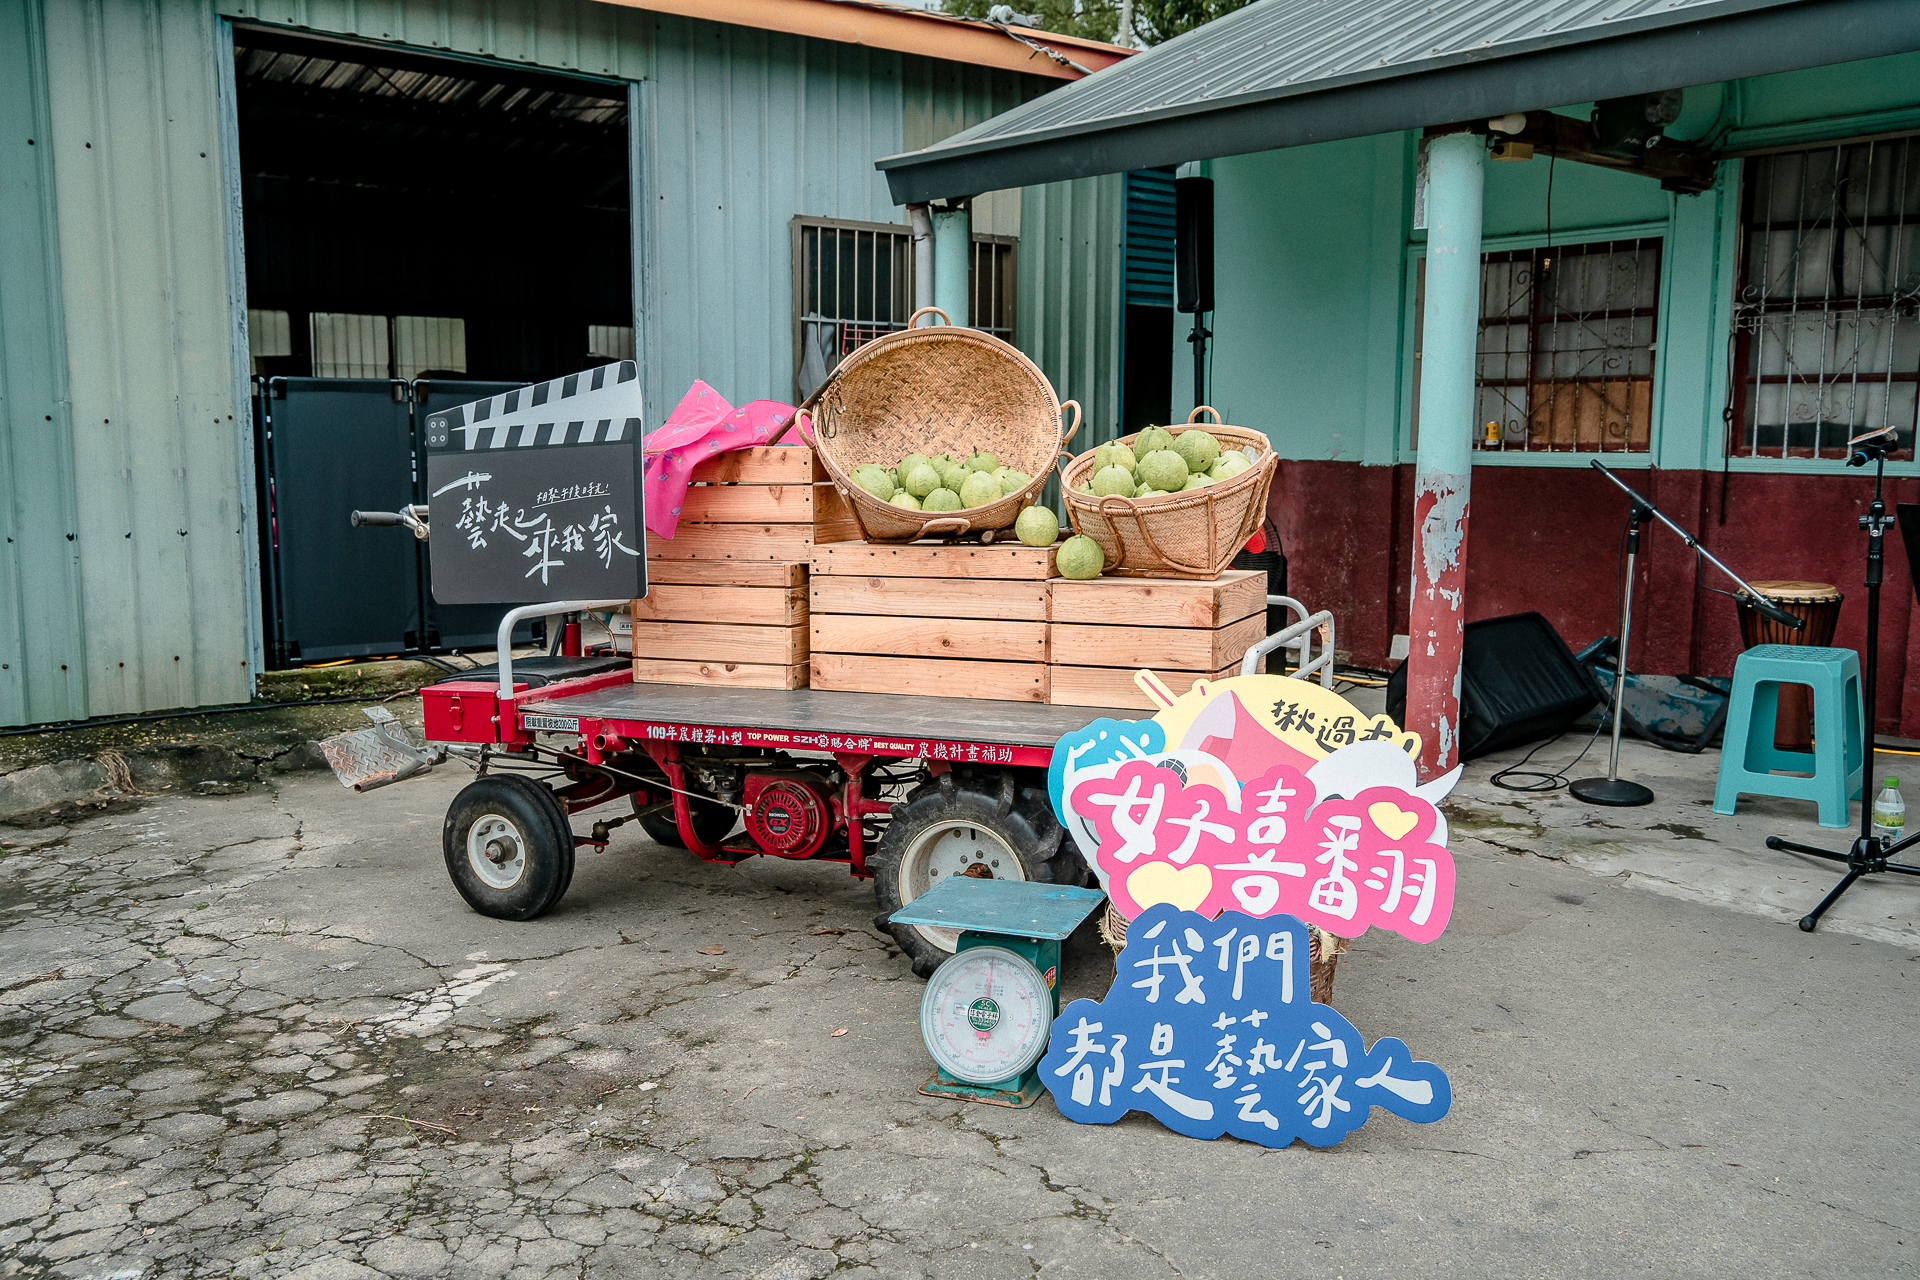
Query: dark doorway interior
{"type": "Point", "coordinates": [479, 215]}
{"type": "Point", "coordinates": [420, 231]}
{"type": "Point", "coordinates": [1146, 357]}
{"type": "Point", "coordinates": [1146, 395]}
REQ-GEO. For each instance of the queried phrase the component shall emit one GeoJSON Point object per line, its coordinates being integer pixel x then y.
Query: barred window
{"type": "Point", "coordinates": [853, 281]}
{"type": "Point", "coordinates": [990, 285]}
{"type": "Point", "coordinates": [1827, 318]}
{"type": "Point", "coordinates": [1566, 348]}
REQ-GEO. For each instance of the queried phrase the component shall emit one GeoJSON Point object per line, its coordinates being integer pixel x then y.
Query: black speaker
{"type": "Point", "coordinates": [1519, 683]}
{"type": "Point", "coordinates": [1193, 244]}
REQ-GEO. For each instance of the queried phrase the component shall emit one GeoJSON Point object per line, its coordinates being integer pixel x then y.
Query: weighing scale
{"type": "Point", "coordinates": [987, 1011]}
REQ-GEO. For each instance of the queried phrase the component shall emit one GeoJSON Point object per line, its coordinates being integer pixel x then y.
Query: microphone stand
{"type": "Point", "coordinates": [1613, 790]}
{"type": "Point", "coordinates": [1868, 853]}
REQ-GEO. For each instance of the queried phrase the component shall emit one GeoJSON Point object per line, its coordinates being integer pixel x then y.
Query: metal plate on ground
{"type": "Point", "coordinates": [366, 757]}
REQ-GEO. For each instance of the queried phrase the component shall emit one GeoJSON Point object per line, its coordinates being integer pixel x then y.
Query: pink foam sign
{"type": "Point", "coordinates": [1345, 865]}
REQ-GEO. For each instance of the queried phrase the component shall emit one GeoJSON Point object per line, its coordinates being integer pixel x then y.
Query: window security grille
{"type": "Point", "coordinates": [853, 281]}
{"type": "Point", "coordinates": [426, 346]}
{"type": "Point", "coordinates": [1567, 337]}
{"type": "Point", "coordinates": [1827, 319]}
{"type": "Point", "coordinates": [610, 341]}
{"type": "Point", "coordinates": [990, 297]}
{"type": "Point", "coordinates": [349, 346]}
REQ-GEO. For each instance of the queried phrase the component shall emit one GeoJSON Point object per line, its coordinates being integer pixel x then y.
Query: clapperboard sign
{"type": "Point", "coordinates": [535, 495]}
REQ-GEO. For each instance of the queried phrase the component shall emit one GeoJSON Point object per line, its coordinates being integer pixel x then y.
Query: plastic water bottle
{"type": "Point", "coordinates": [1890, 813]}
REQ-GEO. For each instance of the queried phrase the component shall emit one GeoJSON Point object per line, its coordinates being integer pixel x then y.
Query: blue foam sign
{"type": "Point", "coordinates": [1210, 1028]}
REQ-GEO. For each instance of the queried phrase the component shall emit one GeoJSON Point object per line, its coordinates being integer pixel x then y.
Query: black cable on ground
{"type": "Point", "coordinates": [1543, 780]}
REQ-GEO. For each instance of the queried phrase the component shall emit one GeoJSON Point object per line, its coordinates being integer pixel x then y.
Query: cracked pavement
{"type": "Point", "coordinates": [259, 1035]}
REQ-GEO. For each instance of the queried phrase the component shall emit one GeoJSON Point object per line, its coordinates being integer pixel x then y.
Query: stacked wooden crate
{"type": "Point", "coordinates": [726, 601]}
{"type": "Point", "coordinates": [950, 621]}
{"type": "Point", "coordinates": [1103, 630]}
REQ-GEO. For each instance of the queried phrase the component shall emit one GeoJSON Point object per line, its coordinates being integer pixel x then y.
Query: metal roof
{"type": "Point", "coordinates": [906, 28]}
{"type": "Point", "coordinates": [1285, 72]}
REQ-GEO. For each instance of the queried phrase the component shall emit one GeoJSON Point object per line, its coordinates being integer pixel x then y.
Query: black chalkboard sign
{"type": "Point", "coordinates": [535, 495]}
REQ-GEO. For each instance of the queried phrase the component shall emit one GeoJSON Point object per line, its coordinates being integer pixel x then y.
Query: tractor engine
{"type": "Point", "coordinates": [790, 812]}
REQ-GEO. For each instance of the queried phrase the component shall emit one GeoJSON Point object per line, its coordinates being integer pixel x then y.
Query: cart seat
{"type": "Point", "coordinates": [537, 673]}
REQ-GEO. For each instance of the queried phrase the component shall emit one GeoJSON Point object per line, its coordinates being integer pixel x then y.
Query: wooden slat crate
{"type": "Point", "coordinates": [720, 642]}
{"type": "Point", "coordinates": [954, 621]}
{"type": "Point", "coordinates": [733, 675]}
{"type": "Point", "coordinates": [934, 560]}
{"type": "Point", "coordinates": [933, 677]}
{"type": "Point", "coordinates": [767, 503]}
{"type": "Point", "coordinates": [1114, 686]}
{"type": "Point", "coordinates": [751, 606]}
{"type": "Point", "coordinates": [1103, 630]}
{"type": "Point", "coordinates": [726, 601]}
{"type": "Point", "coordinates": [722, 622]}
{"type": "Point", "coordinates": [726, 573]}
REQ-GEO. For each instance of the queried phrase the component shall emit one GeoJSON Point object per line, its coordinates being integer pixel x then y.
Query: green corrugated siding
{"type": "Point", "coordinates": [597, 39]}
{"type": "Point", "coordinates": [740, 130]}
{"type": "Point", "coordinates": [156, 430]}
{"type": "Point", "coordinates": [1072, 242]}
{"type": "Point", "coordinates": [744, 129]}
{"type": "Point", "coordinates": [41, 676]}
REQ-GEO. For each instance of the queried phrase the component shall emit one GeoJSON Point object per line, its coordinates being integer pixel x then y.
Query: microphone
{"type": "Point", "coordinates": [1767, 608]}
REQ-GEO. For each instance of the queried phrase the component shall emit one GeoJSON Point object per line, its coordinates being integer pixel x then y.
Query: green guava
{"type": "Point", "coordinates": [1080, 557]}
{"type": "Point", "coordinates": [875, 482]}
{"type": "Point", "coordinates": [978, 489]}
{"type": "Point", "coordinates": [922, 480]}
{"type": "Point", "coordinates": [1151, 439]}
{"type": "Point", "coordinates": [1198, 448]}
{"type": "Point", "coordinates": [1037, 526]}
{"type": "Point", "coordinates": [1114, 480]}
{"type": "Point", "coordinates": [1163, 469]}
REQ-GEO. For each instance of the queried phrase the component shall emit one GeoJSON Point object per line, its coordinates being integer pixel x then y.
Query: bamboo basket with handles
{"type": "Point", "coordinates": [940, 389]}
{"type": "Point", "coordinates": [1194, 534]}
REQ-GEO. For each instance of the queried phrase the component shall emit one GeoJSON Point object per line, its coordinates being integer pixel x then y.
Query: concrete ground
{"type": "Point", "coordinates": [52, 776]}
{"type": "Point", "coordinates": [259, 1035]}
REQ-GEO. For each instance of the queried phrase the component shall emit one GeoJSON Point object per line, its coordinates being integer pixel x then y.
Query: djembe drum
{"type": "Point", "coordinates": [1817, 605]}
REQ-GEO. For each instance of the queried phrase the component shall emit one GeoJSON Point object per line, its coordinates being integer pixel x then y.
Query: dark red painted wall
{"type": "Point", "coordinates": [1549, 538]}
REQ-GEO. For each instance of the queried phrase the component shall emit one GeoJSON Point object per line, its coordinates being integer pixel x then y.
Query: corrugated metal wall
{"type": "Point", "coordinates": [160, 477]}
{"type": "Point", "coordinates": [1072, 243]}
{"type": "Point", "coordinates": [744, 129]}
{"type": "Point", "coordinates": [740, 130]}
{"type": "Point", "coordinates": [149, 606]}
{"type": "Point", "coordinates": [41, 675]}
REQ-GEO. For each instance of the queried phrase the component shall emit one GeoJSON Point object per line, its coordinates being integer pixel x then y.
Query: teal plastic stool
{"type": "Point", "coordinates": [1837, 762]}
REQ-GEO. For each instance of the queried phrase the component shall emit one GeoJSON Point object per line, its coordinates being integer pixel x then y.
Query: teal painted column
{"type": "Point", "coordinates": [1450, 328]}
{"type": "Point", "coordinates": [952, 258]}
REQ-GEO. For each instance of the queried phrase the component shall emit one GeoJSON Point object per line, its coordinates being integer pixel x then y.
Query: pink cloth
{"type": "Point", "coordinates": [702, 425]}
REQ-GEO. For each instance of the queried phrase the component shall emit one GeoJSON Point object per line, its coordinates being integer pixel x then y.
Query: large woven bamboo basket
{"type": "Point", "coordinates": [941, 389]}
{"type": "Point", "coordinates": [1187, 535]}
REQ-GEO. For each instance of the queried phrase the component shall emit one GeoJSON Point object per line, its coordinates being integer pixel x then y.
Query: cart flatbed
{"type": "Point", "coordinates": [809, 714]}
{"type": "Point", "coordinates": [696, 761]}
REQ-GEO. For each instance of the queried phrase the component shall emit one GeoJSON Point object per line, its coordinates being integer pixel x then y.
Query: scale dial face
{"type": "Point", "coordinates": [986, 1015]}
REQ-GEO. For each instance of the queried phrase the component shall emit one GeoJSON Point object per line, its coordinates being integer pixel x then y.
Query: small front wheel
{"type": "Point", "coordinates": [508, 847]}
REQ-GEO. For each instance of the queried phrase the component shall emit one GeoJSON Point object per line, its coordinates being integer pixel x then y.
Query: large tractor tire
{"type": "Point", "coordinates": [986, 823]}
